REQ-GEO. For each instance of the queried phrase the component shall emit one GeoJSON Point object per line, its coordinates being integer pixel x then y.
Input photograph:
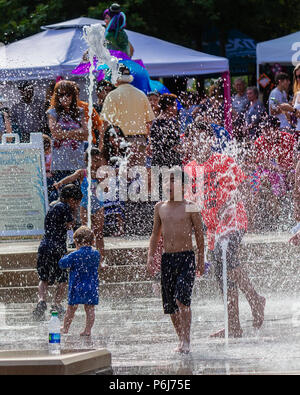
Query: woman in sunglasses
{"type": "Point", "coordinates": [69, 131]}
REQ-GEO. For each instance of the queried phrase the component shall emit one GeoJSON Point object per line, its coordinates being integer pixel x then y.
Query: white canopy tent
{"type": "Point", "coordinates": [284, 50]}
{"type": "Point", "coordinates": [58, 49]}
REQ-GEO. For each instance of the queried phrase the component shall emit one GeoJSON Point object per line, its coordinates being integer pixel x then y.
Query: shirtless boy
{"type": "Point", "coordinates": [176, 222]}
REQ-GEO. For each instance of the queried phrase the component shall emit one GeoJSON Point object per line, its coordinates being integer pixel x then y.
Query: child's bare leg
{"type": "Point", "coordinates": [59, 293]}
{"type": "Point", "coordinates": [185, 317]}
{"type": "Point", "coordinates": [256, 302]}
{"type": "Point", "coordinates": [177, 325]}
{"type": "Point", "coordinates": [97, 226]}
{"type": "Point", "coordinates": [90, 319]}
{"type": "Point", "coordinates": [71, 309]}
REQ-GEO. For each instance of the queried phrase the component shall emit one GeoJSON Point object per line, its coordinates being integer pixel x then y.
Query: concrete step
{"type": "Point", "coordinates": [118, 290]}
{"type": "Point", "coordinates": [267, 269]}
{"type": "Point", "coordinates": [27, 259]}
{"type": "Point", "coordinates": [256, 252]}
{"type": "Point", "coordinates": [204, 288]}
{"type": "Point", "coordinates": [107, 290]}
{"type": "Point", "coordinates": [271, 262]}
{"type": "Point", "coordinates": [113, 274]}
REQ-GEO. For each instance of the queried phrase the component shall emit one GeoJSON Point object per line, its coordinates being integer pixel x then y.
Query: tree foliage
{"type": "Point", "coordinates": [179, 21]}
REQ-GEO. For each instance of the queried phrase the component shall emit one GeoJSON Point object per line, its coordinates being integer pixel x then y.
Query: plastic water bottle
{"type": "Point", "coordinates": [54, 334]}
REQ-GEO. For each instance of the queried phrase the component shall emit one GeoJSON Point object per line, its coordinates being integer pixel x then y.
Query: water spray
{"type": "Point", "coordinates": [94, 35]}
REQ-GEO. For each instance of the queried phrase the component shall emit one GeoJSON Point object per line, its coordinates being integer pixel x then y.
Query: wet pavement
{"type": "Point", "coordinates": [141, 338]}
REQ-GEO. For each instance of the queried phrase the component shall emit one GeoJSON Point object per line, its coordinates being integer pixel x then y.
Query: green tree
{"type": "Point", "coordinates": [183, 21]}
{"type": "Point", "coordinates": [20, 18]}
{"type": "Point", "coordinates": [179, 21]}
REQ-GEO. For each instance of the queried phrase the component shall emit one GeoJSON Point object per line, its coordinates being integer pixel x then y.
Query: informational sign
{"type": "Point", "coordinates": [23, 186]}
{"type": "Point", "coordinates": [264, 80]}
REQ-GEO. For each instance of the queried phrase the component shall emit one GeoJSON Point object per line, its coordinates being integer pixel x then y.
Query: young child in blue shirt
{"type": "Point", "coordinates": [83, 289]}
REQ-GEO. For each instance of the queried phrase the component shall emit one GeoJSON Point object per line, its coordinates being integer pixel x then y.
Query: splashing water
{"type": "Point", "coordinates": [224, 245]}
{"type": "Point", "coordinates": [94, 35]}
{"type": "Point", "coordinates": [222, 237]}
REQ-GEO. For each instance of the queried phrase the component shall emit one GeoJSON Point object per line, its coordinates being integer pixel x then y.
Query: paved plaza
{"type": "Point", "coordinates": [141, 339]}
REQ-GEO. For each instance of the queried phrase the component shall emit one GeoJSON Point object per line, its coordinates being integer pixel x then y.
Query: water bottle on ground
{"type": "Point", "coordinates": [54, 334]}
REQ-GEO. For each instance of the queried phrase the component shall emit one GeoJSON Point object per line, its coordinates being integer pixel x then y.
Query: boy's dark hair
{"type": "Point", "coordinates": [94, 152]}
{"type": "Point", "coordinates": [166, 100]}
{"type": "Point", "coordinates": [281, 77]}
{"type": "Point", "coordinates": [103, 84]}
{"type": "Point", "coordinates": [46, 141]}
{"type": "Point", "coordinates": [84, 236]}
{"type": "Point", "coordinates": [70, 191]}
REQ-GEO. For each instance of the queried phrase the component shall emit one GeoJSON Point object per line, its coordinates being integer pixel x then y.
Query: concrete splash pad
{"type": "Point", "coordinates": [141, 339]}
{"type": "Point", "coordinates": [69, 362]}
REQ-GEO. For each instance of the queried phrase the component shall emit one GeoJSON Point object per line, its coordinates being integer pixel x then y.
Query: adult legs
{"type": "Point", "coordinates": [234, 326]}
{"type": "Point", "coordinates": [59, 293]}
{"type": "Point", "coordinates": [228, 249]}
{"type": "Point", "coordinates": [256, 301]}
{"type": "Point", "coordinates": [42, 290]}
{"type": "Point", "coordinates": [237, 279]}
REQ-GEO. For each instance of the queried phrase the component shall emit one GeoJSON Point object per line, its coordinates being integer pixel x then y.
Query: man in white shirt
{"type": "Point", "coordinates": [129, 108]}
{"type": "Point", "coordinates": [278, 96]}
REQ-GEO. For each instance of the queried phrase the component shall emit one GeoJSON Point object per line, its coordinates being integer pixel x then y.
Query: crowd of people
{"type": "Point", "coordinates": [162, 130]}
{"type": "Point", "coordinates": [247, 171]}
{"type": "Point", "coordinates": [254, 163]}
